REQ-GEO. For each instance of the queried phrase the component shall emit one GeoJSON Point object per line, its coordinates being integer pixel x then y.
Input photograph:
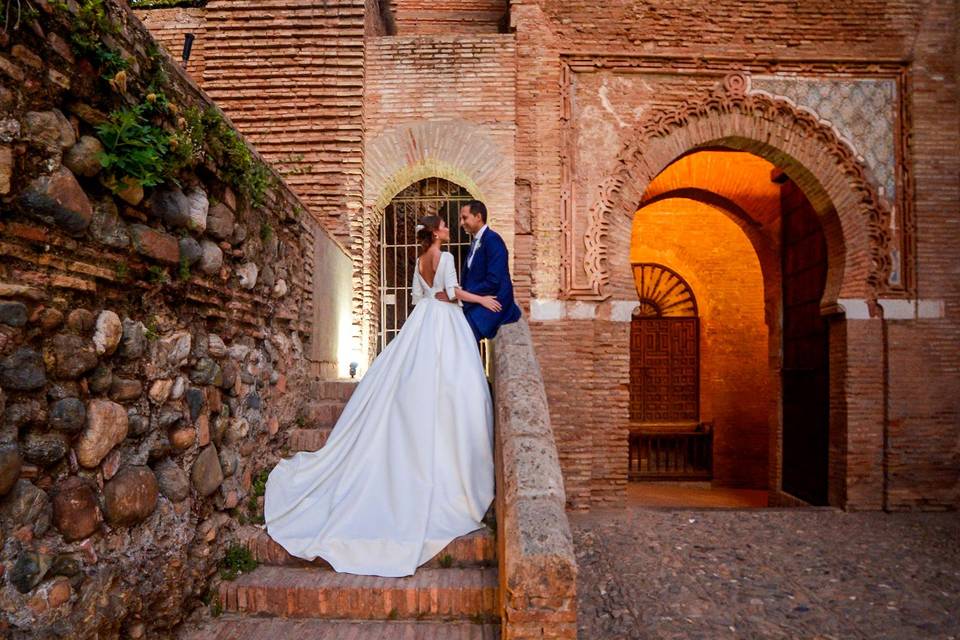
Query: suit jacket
{"type": "Point", "coordinates": [489, 275]}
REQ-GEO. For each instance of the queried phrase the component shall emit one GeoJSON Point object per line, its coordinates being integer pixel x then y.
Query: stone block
{"type": "Point", "coordinates": [155, 244]}
{"type": "Point", "coordinates": [58, 199]}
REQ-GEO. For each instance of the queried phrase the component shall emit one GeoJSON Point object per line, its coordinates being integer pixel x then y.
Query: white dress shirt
{"type": "Point", "coordinates": [476, 245]}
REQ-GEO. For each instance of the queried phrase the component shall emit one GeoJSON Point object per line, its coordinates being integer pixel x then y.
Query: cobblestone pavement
{"type": "Point", "coordinates": [801, 573]}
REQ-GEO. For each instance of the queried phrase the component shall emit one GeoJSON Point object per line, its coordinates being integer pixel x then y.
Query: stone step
{"type": "Point", "coordinates": [308, 439]}
{"type": "Point", "coordinates": [339, 390]}
{"type": "Point", "coordinates": [477, 548]}
{"type": "Point", "coordinates": [307, 592]}
{"type": "Point", "coordinates": [321, 413]}
{"type": "Point", "coordinates": [234, 627]}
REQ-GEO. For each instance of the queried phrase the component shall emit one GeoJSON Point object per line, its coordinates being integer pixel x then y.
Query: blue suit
{"type": "Point", "coordinates": [488, 275]}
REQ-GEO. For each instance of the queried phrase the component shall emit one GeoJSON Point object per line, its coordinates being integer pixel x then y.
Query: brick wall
{"type": "Point", "coordinates": [462, 17]}
{"type": "Point", "coordinates": [860, 29]}
{"type": "Point", "coordinates": [659, 64]}
{"type": "Point", "coordinates": [169, 26]}
{"type": "Point", "coordinates": [924, 361]}
{"type": "Point", "coordinates": [435, 106]}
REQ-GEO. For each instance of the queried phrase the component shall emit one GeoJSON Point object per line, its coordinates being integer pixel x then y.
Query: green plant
{"type": "Point", "coordinates": [266, 231]}
{"type": "Point", "coordinates": [87, 28]}
{"type": "Point", "coordinates": [301, 421]}
{"type": "Point", "coordinates": [150, 329]}
{"type": "Point", "coordinates": [184, 271]}
{"type": "Point", "coordinates": [123, 271]}
{"type": "Point", "coordinates": [157, 275]}
{"type": "Point", "coordinates": [260, 482]}
{"type": "Point", "coordinates": [216, 609]}
{"type": "Point", "coordinates": [253, 509]}
{"type": "Point", "coordinates": [236, 560]}
{"type": "Point", "coordinates": [137, 148]}
{"type": "Point", "coordinates": [240, 169]}
{"type": "Point", "coordinates": [446, 561]}
{"type": "Point", "coordinates": [394, 614]}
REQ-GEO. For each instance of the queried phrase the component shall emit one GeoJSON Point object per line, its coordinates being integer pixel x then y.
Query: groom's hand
{"type": "Point", "coordinates": [442, 296]}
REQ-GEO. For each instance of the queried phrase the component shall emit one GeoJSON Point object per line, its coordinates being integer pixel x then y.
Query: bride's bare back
{"type": "Point", "coordinates": [429, 263]}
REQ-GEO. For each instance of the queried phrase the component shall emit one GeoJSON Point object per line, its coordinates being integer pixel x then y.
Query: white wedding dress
{"type": "Point", "coordinates": [408, 466]}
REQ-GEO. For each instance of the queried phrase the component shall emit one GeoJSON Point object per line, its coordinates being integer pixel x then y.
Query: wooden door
{"type": "Point", "coordinates": [664, 370]}
{"type": "Point", "coordinates": [806, 379]}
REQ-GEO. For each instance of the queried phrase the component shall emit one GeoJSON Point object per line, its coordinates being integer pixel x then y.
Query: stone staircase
{"type": "Point", "coordinates": [453, 596]}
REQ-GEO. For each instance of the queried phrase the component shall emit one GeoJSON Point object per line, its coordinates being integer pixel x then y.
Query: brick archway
{"type": "Point", "coordinates": [855, 218]}
{"type": "Point", "coordinates": [855, 223]}
{"type": "Point", "coordinates": [454, 150]}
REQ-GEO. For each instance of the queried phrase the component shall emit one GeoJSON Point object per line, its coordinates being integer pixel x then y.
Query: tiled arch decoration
{"type": "Point", "coordinates": [855, 217]}
{"type": "Point", "coordinates": [454, 150]}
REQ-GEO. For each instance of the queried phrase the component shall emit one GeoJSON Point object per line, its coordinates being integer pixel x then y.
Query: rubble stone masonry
{"type": "Point", "coordinates": [157, 333]}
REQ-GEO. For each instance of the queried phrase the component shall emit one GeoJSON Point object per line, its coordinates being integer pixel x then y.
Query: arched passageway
{"type": "Point", "coordinates": [749, 243]}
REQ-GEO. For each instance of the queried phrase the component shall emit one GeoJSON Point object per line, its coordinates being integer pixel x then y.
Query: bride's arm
{"type": "Point", "coordinates": [455, 292]}
{"type": "Point", "coordinates": [452, 292]}
{"type": "Point", "coordinates": [416, 290]}
{"type": "Point", "coordinates": [488, 302]}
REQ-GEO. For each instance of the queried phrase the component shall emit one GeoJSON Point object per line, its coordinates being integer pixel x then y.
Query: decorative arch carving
{"type": "Point", "coordinates": [856, 219]}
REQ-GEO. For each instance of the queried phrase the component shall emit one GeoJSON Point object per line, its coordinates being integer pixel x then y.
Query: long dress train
{"type": "Point", "coordinates": [408, 466]}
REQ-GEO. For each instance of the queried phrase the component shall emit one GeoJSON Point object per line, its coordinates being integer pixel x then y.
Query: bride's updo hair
{"type": "Point", "coordinates": [425, 229]}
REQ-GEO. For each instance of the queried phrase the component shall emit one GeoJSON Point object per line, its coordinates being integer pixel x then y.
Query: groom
{"type": "Point", "coordinates": [485, 273]}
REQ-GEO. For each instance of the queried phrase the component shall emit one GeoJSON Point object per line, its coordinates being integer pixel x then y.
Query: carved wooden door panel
{"type": "Point", "coordinates": [664, 370]}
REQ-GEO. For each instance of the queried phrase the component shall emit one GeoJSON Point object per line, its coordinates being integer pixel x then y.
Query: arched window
{"type": "Point", "coordinates": [662, 293]}
{"type": "Point", "coordinates": [398, 245]}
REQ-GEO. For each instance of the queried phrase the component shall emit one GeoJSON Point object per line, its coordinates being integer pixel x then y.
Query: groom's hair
{"type": "Point", "coordinates": [477, 208]}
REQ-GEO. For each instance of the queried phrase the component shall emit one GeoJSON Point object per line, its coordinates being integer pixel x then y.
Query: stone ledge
{"type": "Point", "coordinates": [538, 568]}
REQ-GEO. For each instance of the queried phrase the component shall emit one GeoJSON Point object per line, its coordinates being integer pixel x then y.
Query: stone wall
{"type": "Point", "coordinates": [538, 569]}
{"type": "Point", "coordinates": [154, 338]}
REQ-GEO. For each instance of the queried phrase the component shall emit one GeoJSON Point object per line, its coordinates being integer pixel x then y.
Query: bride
{"type": "Point", "coordinates": [408, 466]}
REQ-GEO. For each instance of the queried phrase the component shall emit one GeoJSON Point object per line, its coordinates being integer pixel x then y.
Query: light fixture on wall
{"type": "Point", "coordinates": [187, 46]}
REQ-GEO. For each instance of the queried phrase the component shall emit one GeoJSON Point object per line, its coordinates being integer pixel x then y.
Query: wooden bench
{"type": "Point", "coordinates": [677, 451]}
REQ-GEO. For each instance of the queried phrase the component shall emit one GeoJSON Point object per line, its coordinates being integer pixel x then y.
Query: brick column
{"type": "Point", "coordinates": [857, 399]}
